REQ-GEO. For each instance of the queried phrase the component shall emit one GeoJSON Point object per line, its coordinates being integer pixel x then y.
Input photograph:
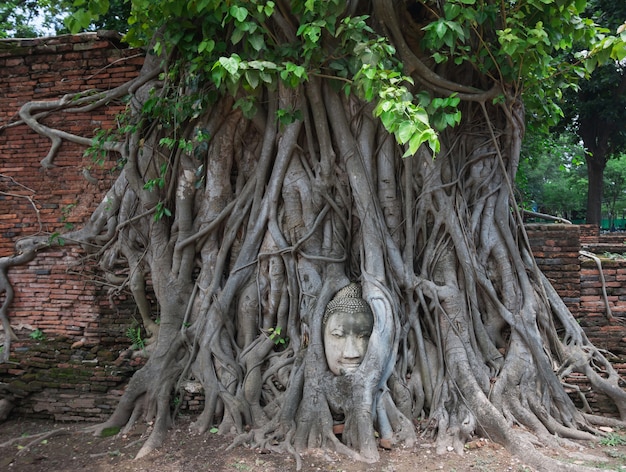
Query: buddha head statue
{"type": "Point", "coordinates": [347, 326]}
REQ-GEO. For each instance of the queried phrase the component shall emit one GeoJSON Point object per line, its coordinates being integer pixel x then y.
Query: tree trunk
{"type": "Point", "coordinates": [595, 175]}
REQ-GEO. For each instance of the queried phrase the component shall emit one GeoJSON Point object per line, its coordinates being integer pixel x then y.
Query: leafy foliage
{"type": "Point", "coordinates": [615, 188]}
{"type": "Point", "coordinates": [528, 50]}
{"type": "Point", "coordinates": [33, 18]}
{"type": "Point", "coordinates": [552, 175]}
{"type": "Point", "coordinates": [17, 17]}
{"type": "Point", "coordinates": [523, 47]}
{"type": "Point", "coordinates": [134, 334]}
{"type": "Point", "coordinates": [596, 108]}
{"type": "Point", "coordinates": [37, 335]}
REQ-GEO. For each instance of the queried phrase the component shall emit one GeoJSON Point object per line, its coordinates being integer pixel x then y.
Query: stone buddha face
{"type": "Point", "coordinates": [348, 323]}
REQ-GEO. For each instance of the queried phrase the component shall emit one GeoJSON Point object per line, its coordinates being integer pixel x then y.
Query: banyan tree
{"type": "Point", "coordinates": [300, 177]}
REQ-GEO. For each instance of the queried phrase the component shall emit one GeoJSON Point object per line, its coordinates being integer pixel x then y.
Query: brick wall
{"type": "Point", "coordinates": [607, 333]}
{"type": "Point", "coordinates": [51, 294]}
{"type": "Point", "coordinates": [556, 248]}
{"type": "Point", "coordinates": [78, 367]}
{"type": "Point", "coordinates": [577, 280]}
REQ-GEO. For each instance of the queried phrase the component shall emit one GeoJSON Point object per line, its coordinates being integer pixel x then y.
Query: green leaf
{"type": "Point", "coordinates": [206, 45]}
{"type": "Point", "coordinates": [405, 131]}
{"type": "Point", "coordinates": [414, 143]}
{"type": "Point", "coordinates": [231, 64]}
{"type": "Point", "coordinates": [580, 5]}
{"type": "Point", "coordinates": [440, 28]}
{"type": "Point", "coordinates": [252, 77]}
{"type": "Point", "coordinates": [237, 35]}
{"type": "Point", "coordinates": [257, 42]}
{"type": "Point", "coordinates": [240, 13]}
{"type": "Point", "coordinates": [421, 115]}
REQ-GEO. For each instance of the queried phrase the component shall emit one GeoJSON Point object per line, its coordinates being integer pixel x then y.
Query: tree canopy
{"type": "Point", "coordinates": [33, 18]}
{"type": "Point", "coordinates": [596, 109]}
{"type": "Point", "coordinates": [552, 176]}
{"type": "Point", "coordinates": [273, 152]}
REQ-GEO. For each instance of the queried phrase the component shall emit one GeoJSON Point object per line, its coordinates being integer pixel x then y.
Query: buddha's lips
{"type": "Point", "coordinates": [349, 367]}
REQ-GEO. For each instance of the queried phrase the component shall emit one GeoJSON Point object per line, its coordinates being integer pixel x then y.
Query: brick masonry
{"type": "Point", "coordinates": [577, 280]}
{"type": "Point", "coordinates": [80, 367]}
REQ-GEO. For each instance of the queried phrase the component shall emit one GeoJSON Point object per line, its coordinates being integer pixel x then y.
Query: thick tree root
{"type": "Point", "coordinates": [6, 405]}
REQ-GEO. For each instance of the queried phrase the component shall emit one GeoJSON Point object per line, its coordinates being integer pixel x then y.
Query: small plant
{"type": "Point", "coordinates": [613, 439]}
{"type": "Point", "coordinates": [277, 337]}
{"type": "Point", "coordinates": [37, 335]}
{"type": "Point", "coordinates": [241, 466]}
{"type": "Point", "coordinates": [160, 211]}
{"type": "Point", "coordinates": [56, 238]}
{"type": "Point", "coordinates": [613, 256]}
{"type": "Point", "coordinates": [108, 432]}
{"type": "Point", "coordinates": [134, 334]}
{"type": "Point", "coordinates": [66, 211]}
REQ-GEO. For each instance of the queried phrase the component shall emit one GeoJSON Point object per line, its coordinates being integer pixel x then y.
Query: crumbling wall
{"type": "Point", "coordinates": [71, 358]}
{"type": "Point", "coordinates": [56, 293]}
{"type": "Point", "coordinates": [578, 281]}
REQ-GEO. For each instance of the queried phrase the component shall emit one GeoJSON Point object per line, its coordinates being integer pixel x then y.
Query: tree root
{"type": "Point", "coordinates": [26, 252]}
{"type": "Point", "coordinates": [34, 439]}
{"type": "Point", "coordinates": [6, 405]}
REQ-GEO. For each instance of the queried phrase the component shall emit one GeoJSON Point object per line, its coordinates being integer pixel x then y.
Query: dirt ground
{"type": "Point", "coordinates": [28, 445]}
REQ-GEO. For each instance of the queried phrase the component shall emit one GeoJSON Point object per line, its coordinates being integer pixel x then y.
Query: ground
{"type": "Point", "coordinates": [25, 447]}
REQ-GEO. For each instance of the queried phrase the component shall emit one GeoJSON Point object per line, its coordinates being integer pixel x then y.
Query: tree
{"type": "Point", "coordinates": [552, 175]}
{"type": "Point", "coordinates": [261, 175]}
{"type": "Point", "coordinates": [598, 110]}
{"type": "Point", "coordinates": [615, 189]}
{"type": "Point", "coordinates": [17, 18]}
{"type": "Point", "coordinates": [32, 18]}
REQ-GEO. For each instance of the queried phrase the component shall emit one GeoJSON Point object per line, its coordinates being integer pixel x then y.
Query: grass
{"type": "Point", "coordinates": [613, 439]}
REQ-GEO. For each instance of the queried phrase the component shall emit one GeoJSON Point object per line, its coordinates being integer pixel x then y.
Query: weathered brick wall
{"type": "Point", "coordinates": [577, 280]}
{"type": "Point", "coordinates": [556, 248]}
{"type": "Point", "coordinates": [608, 333]}
{"type": "Point", "coordinates": [77, 370]}
{"type": "Point", "coordinates": [50, 293]}
{"type": "Point", "coordinates": [589, 234]}
{"type": "Point", "coordinates": [67, 382]}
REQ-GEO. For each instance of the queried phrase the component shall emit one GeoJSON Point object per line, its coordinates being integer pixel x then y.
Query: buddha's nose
{"type": "Point", "coordinates": [351, 349]}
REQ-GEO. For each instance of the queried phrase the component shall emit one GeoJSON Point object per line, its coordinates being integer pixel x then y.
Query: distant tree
{"type": "Point", "coordinates": [25, 18]}
{"type": "Point", "coordinates": [598, 109]}
{"type": "Point", "coordinates": [552, 175]}
{"type": "Point", "coordinates": [615, 188]}
{"type": "Point", "coordinates": [33, 18]}
{"type": "Point", "coordinates": [114, 18]}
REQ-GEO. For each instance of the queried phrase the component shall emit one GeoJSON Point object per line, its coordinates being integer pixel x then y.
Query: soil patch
{"type": "Point", "coordinates": [29, 445]}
